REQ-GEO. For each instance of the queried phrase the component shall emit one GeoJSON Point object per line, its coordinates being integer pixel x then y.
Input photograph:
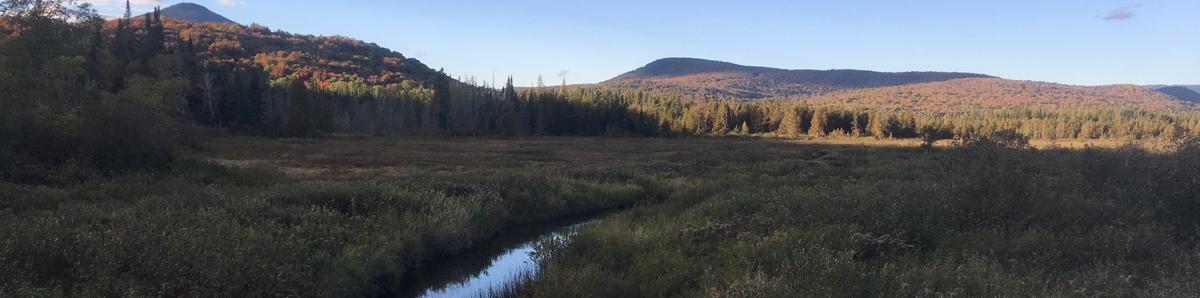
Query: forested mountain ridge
{"type": "Point", "coordinates": [192, 12]}
{"type": "Point", "coordinates": [699, 77]}
{"type": "Point", "coordinates": [1187, 93]}
{"type": "Point", "coordinates": [1190, 87]}
{"type": "Point", "coordinates": [971, 94]}
{"type": "Point", "coordinates": [332, 61]}
{"type": "Point", "coordinates": [913, 91]}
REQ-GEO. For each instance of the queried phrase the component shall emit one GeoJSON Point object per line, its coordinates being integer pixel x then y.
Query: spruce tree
{"type": "Point", "coordinates": [790, 124]}
{"type": "Point", "coordinates": [720, 124]}
{"type": "Point", "coordinates": [299, 112]}
{"type": "Point", "coordinates": [820, 121]}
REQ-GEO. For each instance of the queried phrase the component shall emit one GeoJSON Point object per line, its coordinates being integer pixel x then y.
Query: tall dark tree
{"type": "Point", "coordinates": [300, 110]}
{"type": "Point", "coordinates": [441, 99]}
{"type": "Point", "coordinates": [122, 50]}
{"type": "Point", "coordinates": [92, 64]}
{"type": "Point", "coordinates": [155, 36]}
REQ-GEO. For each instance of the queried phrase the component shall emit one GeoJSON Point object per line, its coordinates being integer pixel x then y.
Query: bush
{"type": "Point", "coordinates": [127, 131]}
{"type": "Point", "coordinates": [930, 135]}
{"type": "Point", "coordinates": [1005, 138]}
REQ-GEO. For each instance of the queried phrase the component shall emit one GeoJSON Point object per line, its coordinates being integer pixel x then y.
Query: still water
{"type": "Point", "coordinates": [491, 265]}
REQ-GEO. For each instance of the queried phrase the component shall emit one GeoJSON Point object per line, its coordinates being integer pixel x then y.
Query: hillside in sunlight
{"type": "Point", "coordinates": [330, 60]}
{"type": "Point", "coordinates": [967, 94]}
{"type": "Point", "coordinates": [195, 13]}
{"type": "Point", "coordinates": [698, 77]}
{"type": "Point", "coordinates": [919, 91]}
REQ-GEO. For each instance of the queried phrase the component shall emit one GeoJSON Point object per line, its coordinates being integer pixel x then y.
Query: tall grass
{"type": "Point", "coordinates": [197, 229]}
{"type": "Point", "coordinates": [986, 218]}
{"type": "Point", "coordinates": [711, 218]}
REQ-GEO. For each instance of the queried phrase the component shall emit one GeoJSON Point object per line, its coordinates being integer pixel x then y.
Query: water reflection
{"type": "Point", "coordinates": [489, 266]}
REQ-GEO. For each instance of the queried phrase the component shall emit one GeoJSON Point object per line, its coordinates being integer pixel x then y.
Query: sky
{"type": "Point", "coordinates": [1083, 42]}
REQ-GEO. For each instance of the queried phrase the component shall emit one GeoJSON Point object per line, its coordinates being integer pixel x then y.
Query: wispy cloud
{"type": "Point", "coordinates": [1120, 13]}
{"type": "Point", "coordinates": [231, 2]}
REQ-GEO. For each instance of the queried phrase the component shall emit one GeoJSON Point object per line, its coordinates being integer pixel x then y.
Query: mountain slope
{"type": "Point", "coordinates": [1180, 92]}
{"type": "Point", "coordinates": [333, 61]}
{"type": "Point", "coordinates": [195, 13]}
{"type": "Point", "coordinates": [968, 94]}
{"type": "Point", "coordinates": [698, 77]}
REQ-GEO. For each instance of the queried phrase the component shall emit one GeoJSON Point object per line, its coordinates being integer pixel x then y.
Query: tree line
{"type": "Point", "coordinates": [82, 93]}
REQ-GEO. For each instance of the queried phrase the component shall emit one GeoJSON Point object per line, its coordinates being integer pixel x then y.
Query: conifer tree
{"type": "Point", "coordinates": [122, 51]}
{"type": "Point", "coordinates": [300, 110]}
{"type": "Point", "coordinates": [790, 124]}
{"type": "Point", "coordinates": [95, 46]}
{"type": "Point", "coordinates": [720, 124]}
{"type": "Point", "coordinates": [820, 120]}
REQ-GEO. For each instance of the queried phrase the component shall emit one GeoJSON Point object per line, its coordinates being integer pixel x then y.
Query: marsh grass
{"type": "Point", "coordinates": [342, 216]}
{"type": "Point", "coordinates": [980, 219]}
{"type": "Point", "coordinates": [198, 228]}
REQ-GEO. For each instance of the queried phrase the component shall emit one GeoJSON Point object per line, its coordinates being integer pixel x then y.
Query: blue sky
{"type": "Point", "coordinates": [1088, 42]}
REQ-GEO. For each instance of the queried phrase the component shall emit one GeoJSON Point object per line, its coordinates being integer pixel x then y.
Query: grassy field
{"type": "Point", "coordinates": [980, 220]}
{"type": "Point", "coordinates": [705, 217]}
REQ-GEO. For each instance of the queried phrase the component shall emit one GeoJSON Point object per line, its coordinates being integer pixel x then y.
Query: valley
{"type": "Point", "coordinates": [175, 152]}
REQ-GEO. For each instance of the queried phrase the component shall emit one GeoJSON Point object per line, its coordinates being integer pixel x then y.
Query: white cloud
{"type": "Point", "coordinates": [231, 2]}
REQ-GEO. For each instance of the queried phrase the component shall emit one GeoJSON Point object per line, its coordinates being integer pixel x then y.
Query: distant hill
{"type": "Point", "coordinates": [334, 61]}
{"type": "Point", "coordinates": [698, 77]}
{"type": "Point", "coordinates": [195, 13]}
{"type": "Point", "coordinates": [968, 94]}
{"type": "Point", "coordinates": [928, 91]}
{"type": "Point", "coordinates": [1188, 93]}
{"type": "Point", "coordinates": [1192, 87]}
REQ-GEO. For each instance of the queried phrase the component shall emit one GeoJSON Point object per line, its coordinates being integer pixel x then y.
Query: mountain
{"type": "Point", "coordinates": [969, 94]}
{"type": "Point", "coordinates": [335, 62]}
{"type": "Point", "coordinates": [1181, 92]}
{"type": "Point", "coordinates": [699, 77]}
{"type": "Point", "coordinates": [1192, 87]}
{"type": "Point", "coordinates": [194, 13]}
{"type": "Point", "coordinates": [928, 91]}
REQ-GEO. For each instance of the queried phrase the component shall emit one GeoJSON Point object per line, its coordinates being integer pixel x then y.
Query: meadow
{"type": "Point", "coordinates": [722, 217]}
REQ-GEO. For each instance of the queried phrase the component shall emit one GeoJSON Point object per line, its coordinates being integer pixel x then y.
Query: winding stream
{"type": "Point", "coordinates": [491, 265]}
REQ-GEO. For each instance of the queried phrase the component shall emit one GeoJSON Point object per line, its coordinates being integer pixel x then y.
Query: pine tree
{"type": "Point", "coordinates": [122, 50]}
{"type": "Point", "coordinates": [790, 124]}
{"type": "Point", "coordinates": [155, 35]}
{"type": "Point", "coordinates": [95, 46]}
{"type": "Point", "coordinates": [880, 125]}
{"type": "Point", "coordinates": [441, 99]}
{"type": "Point", "coordinates": [820, 121]}
{"type": "Point", "coordinates": [720, 125]}
{"type": "Point", "coordinates": [299, 112]}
